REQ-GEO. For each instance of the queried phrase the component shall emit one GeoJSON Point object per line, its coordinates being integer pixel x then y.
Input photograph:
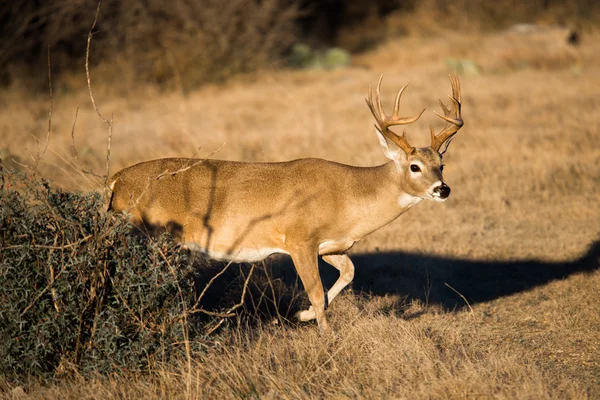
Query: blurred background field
{"type": "Point", "coordinates": [277, 80]}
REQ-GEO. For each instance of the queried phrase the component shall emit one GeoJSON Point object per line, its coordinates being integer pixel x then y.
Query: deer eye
{"type": "Point", "coordinates": [415, 168]}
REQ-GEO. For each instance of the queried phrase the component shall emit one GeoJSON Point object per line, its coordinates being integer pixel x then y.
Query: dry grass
{"type": "Point", "coordinates": [537, 345]}
{"type": "Point", "coordinates": [524, 174]}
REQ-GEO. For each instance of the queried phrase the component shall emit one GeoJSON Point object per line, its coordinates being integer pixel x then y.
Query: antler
{"type": "Point", "coordinates": [384, 121]}
{"type": "Point", "coordinates": [452, 117]}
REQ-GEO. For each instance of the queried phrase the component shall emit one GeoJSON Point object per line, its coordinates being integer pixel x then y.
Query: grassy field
{"type": "Point", "coordinates": [493, 294]}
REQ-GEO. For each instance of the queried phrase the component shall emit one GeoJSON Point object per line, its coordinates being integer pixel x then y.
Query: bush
{"type": "Point", "coordinates": [79, 292]}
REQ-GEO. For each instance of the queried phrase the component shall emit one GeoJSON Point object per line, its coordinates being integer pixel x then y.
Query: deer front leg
{"type": "Point", "coordinates": [308, 269]}
{"type": "Point", "coordinates": [343, 264]}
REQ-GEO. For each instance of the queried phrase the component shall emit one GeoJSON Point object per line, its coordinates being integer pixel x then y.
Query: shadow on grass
{"type": "Point", "coordinates": [424, 277]}
{"type": "Point", "coordinates": [276, 292]}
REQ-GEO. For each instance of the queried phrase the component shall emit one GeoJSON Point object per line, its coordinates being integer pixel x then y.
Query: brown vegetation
{"type": "Point", "coordinates": [187, 43]}
{"type": "Point", "coordinates": [532, 346]}
{"type": "Point", "coordinates": [145, 41]}
{"type": "Point", "coordinates": [518, 237]}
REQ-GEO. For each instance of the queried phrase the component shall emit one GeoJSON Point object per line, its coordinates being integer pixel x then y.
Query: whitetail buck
{"type": "Point", "coordinates": [305, 208]}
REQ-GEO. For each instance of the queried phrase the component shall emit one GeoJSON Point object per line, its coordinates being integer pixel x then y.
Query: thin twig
{"type": "Point", "coordinates": [39, 246]}
{"type": "Point", "coordinates": [189, 166]}
{"type": "Point", "coordinates": [124, 302]}
{"type": "Point", "coordinates": [212, 313]}
{"type": "Point", "coordinates": [108, 122]}
{"type": "Point", "coordinates": [462, 297]}
{"type": "Point", "coordinates": [230, 312]}
{"type": "Point", "coordinates": [52, 278]}
{"type": "Point", "coordinates": [214, 278]}
{"type": "Point", "coordinates": [41, 154]}
{"type": "Point", "coordinates": [214, 328]}
{"type": "Point", "coordinates": [272, 290]}
{"type": "Point", "coordinates": [183, 321]}
{"type": "Point", "coordinates": [40, 294]}
{"type": "Point", "coordinates": [1, 173]}
{"type": "Point", "coordinates": [74, 152]}
{"type": "Point", "coordinates": [87, 67]}
{"type": "Point", "coordinates": [238, 305]}
{"type": "Point", "coordinates": [165, 173]}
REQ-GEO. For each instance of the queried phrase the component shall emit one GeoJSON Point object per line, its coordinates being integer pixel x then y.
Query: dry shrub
{"type": "Point", "coordinates": [80, 294]}
{"type": "Point", "coordinates": [195, 42]}
{"type": "Point", "coordinates": [184, 41]}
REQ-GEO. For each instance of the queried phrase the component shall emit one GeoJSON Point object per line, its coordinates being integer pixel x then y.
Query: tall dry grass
{"type": "Point", "coordinates": [524, 173]}
{"type": "Point", "coordinates": [521, 347]}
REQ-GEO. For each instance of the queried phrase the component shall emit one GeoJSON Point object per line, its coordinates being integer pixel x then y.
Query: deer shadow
{"type": "Point", "coordinates": [452, 283]}
{"type": "Point", "coordinates": [448, 281]}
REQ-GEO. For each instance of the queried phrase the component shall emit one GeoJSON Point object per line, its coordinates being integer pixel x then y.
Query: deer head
{"type": "Point", "coordinates": [419, 169]}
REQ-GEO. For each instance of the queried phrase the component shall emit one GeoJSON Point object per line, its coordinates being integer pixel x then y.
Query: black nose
{"type": "Point", "coordinates": [443, 190]}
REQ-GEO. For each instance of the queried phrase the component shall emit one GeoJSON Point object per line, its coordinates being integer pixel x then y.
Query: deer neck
{"type": "Point", "coordinates": [385, 201]}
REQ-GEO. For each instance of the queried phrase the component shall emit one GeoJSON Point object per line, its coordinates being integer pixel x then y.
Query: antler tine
{"type": "Point", "coordinates": [452, 116]}
{"type": "Point", "coordinates": [369, 99]}
{"type": "Point", "coordinates": [455, 87]}
{"type": "Point", "coordinates": [384, 121]}
{"type": "Point", "coordinates": [446, 109]}
{"type": "Point", "coordinates": [397, 102]}
{"type": "Point", "coordinates": [447, 112]}
{"type": "Point", "coordinates": [381, 112]}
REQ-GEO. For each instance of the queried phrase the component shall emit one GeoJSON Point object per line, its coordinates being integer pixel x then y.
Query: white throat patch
{"type": "Point", "coordinates": [405, 200]}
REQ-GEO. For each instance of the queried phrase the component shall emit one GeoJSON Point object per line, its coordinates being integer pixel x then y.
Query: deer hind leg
{"type": "Point", "coordinates": [308, 270]}
{"type": "Point", "coordinates": [343, 264]}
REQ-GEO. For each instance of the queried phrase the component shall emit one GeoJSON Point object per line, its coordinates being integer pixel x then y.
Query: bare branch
{"type": "Point", "coordinates": [1, 173]}
{"type": "Point", "coordinates": [230, 312]}
{"type": "Point", "coordinates": [39, 246]}
{"type": "Point", "coordinates": [238, 305]}
{"type": "Point", "coordinates": [108, 122]}
{"type": "Point", "coordinates": [74, 152]}
{"type": "Point", "coordinates": [87, 66]}
{"type": "Point", "coordinates": [221, 272]}
{"type": "Point", "coordinates": [40, 154]}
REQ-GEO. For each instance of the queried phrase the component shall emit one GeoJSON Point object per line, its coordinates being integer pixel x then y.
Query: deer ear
{"type": "Point", "coordinates": [390, 149]}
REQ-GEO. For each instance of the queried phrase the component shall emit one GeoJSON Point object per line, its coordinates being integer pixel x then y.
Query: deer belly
{"type": "Point", "coordinates": [243, 254]}
{"type": "Point", "coordinates": [335, 246]}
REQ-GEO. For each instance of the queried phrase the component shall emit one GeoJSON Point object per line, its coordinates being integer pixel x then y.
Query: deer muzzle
{"type": "Point", "coordinates": [442, 191]}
